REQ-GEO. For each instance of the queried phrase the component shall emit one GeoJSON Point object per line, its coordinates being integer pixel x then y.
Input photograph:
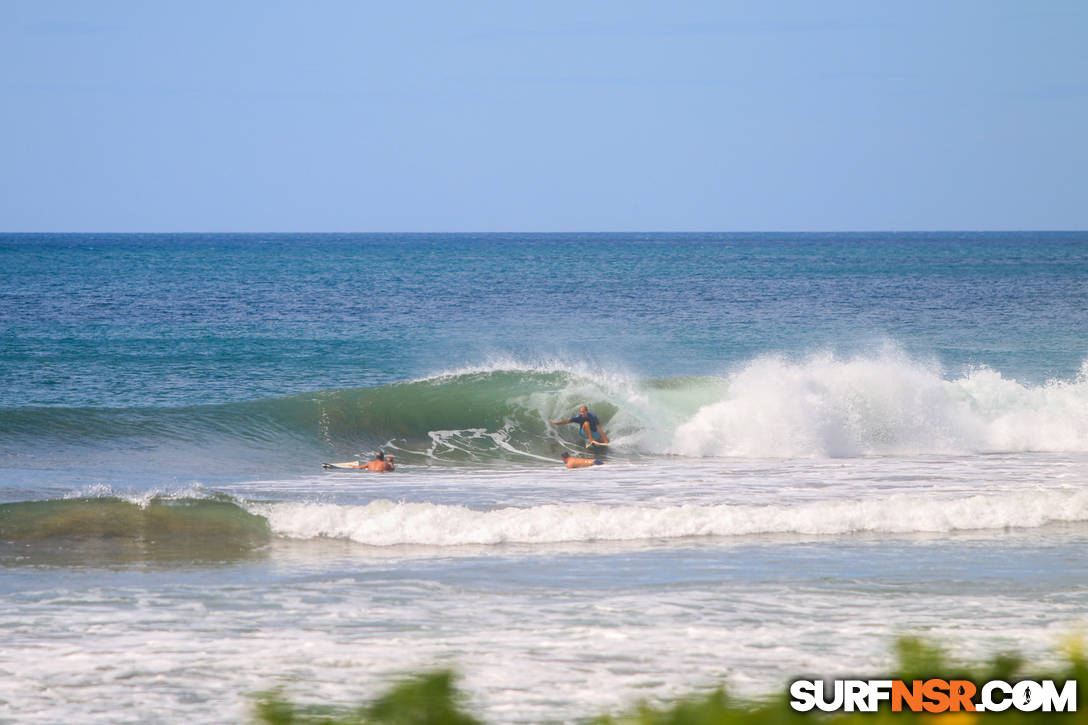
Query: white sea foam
{"type": "Point", "coordinates": [190, 644]}
{"type": "Point", "coordinates": [882, 405]}
{"type": "Point", "coordinates": [385, 523]}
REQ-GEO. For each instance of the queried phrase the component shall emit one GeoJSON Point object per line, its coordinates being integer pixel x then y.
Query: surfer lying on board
{"type": "Point", "coordinates": [380, 464]}
{"type": "Point", "coordinates": [588, 426]}
{"type": "Point", "coordinates": [573, 462]}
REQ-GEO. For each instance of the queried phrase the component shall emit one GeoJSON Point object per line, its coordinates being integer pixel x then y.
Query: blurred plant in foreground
{"type": "Point", "coordinates": [433, 699]}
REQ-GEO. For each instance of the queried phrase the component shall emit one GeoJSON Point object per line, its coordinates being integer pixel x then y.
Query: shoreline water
{"type": "Point", "coordinates": [162, 639]}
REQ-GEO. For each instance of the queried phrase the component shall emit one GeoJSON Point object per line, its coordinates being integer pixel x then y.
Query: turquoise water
{"type": "Point", "coordinates": [855, 434]}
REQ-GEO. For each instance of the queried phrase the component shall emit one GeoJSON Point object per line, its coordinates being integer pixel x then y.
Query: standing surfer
{"type": "Point", "coordinates": [588, 426]}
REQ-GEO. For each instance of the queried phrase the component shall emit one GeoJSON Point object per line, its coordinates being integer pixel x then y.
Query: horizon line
{"type": "Point", "coordinates": [583, 231]}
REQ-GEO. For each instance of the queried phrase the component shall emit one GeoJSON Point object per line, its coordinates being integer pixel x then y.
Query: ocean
{"type": "Point", "coordinates": [820, 442]}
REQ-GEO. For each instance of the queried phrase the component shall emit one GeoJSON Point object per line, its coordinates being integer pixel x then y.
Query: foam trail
{"type": "Point", "coordinates": [385, 523]}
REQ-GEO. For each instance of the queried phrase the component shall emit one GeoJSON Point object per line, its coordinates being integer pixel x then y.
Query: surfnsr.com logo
{"type": "Point", "coordinates": [933, 695]}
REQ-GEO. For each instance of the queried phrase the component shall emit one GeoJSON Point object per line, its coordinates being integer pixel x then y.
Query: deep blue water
{"type": "Point", "coordinates": [168, 320]}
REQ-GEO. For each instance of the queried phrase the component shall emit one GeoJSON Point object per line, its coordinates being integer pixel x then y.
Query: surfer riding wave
{"type": "Point", "coordinates": [588, 426]}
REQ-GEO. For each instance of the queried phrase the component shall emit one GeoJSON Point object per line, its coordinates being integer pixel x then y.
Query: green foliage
{"type": "Point", "coordinates": [918, 659]}
{"type": "Point", "coordinates": [430, 699]}
{"type": "Point", "coordinates": [433, 699]}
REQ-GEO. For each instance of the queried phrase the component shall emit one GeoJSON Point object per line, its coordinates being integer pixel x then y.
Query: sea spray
{"type": "Point", "coordinates": [882, 405]}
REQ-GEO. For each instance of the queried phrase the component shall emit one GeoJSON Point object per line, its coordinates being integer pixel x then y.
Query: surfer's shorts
{"type": "Point", "coordinates": [596, 434]}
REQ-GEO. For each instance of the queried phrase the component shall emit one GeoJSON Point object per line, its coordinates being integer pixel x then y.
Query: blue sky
{"type": "Point", "coordinates": [343, 116]}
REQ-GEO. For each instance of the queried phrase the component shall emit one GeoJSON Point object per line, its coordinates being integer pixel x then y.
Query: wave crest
{"type": "Point", "coordinates": [385, 523]}
{"type": "Point", "coordinates": [884, 404]}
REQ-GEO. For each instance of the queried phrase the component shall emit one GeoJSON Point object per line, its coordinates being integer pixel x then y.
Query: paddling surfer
{"type": "Point", "coordinates": [573, 462]}
{"type": "Point", "coordinates": [380, 464]}
{"type": "Point", "coordinates": [588, 426]}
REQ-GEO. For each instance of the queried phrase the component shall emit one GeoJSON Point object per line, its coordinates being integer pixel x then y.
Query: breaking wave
{"type": "Point", "coordinates": [220, 526]}
{"type": "Point", "coordinates": [387, 523]}
{"type": "Point", "coordinates": [822, 406]}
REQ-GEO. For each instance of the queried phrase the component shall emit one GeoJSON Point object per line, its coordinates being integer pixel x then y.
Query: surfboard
{"type": "Point", "coordinates": [596, 438]}
{"type": "Point", "coordinates": [345, 466]}
{"type": "Point", "coordinates": [356, 466]}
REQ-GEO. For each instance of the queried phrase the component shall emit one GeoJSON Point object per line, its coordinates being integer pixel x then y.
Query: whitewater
{"type": "Point", "coordinates": [820, 442]}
